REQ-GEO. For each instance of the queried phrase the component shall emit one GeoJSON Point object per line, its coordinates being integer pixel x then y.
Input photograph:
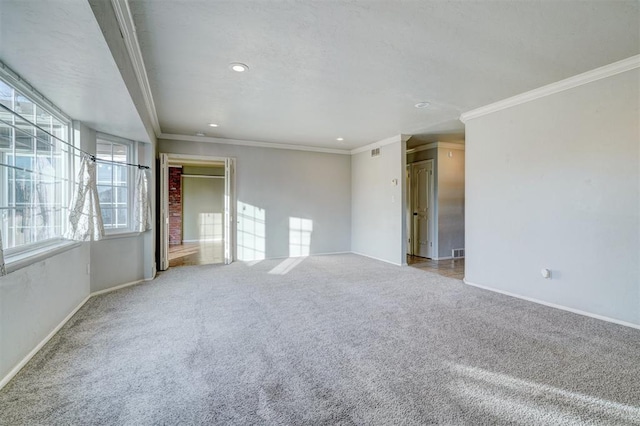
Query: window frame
{"type": "Point", "coordinates": [25, 252]}
{"type": "Point", "coordinates": [132, 158]}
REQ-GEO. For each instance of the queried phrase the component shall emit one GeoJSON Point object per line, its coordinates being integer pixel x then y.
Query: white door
{"type": "Point", "coordinates": [229, 166]}
{"type": "Point", "coordinates": [409, 211]}
{"type": "Point", "coordinates": [423, 209]}
{"type": "Point", "coordinates": [164, 212]}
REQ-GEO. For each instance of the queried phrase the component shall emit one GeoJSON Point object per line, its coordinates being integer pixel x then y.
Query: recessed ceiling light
{"type": "Point", "coordinates": [340, 139]}
{"type": "Point", "coordinates": [199, 134]}
{"type": "Point", "coordinates": [422, 104]}
{"type": "Point", "coordinates": [238, 67]}
{"type": "Point", "coordinates": [213, 125]}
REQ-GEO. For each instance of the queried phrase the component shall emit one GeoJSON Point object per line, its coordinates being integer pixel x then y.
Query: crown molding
{"type": "Point", "coordinates": [383, 142]}
{"type": "Point", "coordinates": [255, 144]}
{"type": "Point", "coordinates": [560, 86]}
{"type": "Point", "coordinates": [128, 31]}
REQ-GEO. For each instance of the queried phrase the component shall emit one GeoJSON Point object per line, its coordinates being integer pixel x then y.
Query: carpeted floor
{"type": "Point", "coordinates": [325, 340]}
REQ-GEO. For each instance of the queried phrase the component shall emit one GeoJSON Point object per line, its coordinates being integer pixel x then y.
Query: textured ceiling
{"type": "Point", "coordinates": [57, 46]}
{"type": "Point", "coordinates": [326, 69]}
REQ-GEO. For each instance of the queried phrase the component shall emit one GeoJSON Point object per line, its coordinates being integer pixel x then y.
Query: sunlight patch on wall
{"type": "Point", "coordinates": [300, 236]}
{"type": "Point", "coordinates": [251, 232]}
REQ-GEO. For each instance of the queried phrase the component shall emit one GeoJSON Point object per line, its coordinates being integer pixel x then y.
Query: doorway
{"type": "Point", "coordinates": [196, 210]}
{"type": "Point", "coordinates": [422, 208]}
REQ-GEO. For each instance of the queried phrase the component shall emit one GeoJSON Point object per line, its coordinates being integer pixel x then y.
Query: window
{"type": "Point", "coordinates": [35, 170]}
{"type": "Point", "coordinates": [115, 182]}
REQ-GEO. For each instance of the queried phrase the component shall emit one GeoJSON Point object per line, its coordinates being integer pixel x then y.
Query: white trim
{"type": "Point", "coordinates": [381, 260]}
{"type": "Point", "coordinates": [553, 305]}
{"type": "Point", "coordinates": [205, 240]}
{"type": "Point", "coordinates": [201, 176]}
{"type": "Point", "coordinates": [124, 234]}
{"type": "Point", "coordinates": [128, 31]}
{"type": "Point", "coordinates": [15, 370]}
{"type": "Point", "coordinates": [451, 145]}
{"type": "Point", "coordinates": [383, 142]}
{"type": "Point", "coordinates": [254, 144]}
{"type": "Point", "coordinates": [432, 145]}
{"type": "Point", "coordinates": [202, 159]}
{"type": "Point", "coordinates": [153, 274]}
{"type": "Point", "coordinates": [118, 287]}
{"type": "Point", "coordinates": [559, 86]}
{"type": "Point", "coordinates": [6, 379]}
{"type": "Point", "coordinates": [330, 253]}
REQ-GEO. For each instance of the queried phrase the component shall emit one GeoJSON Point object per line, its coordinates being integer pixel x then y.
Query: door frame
{"type": "Point", "coordinates": [229, 203]}
{"type": "Point", "coordinates": [432, 207]}
{"type": "Point", "coordinates": [409, 210]}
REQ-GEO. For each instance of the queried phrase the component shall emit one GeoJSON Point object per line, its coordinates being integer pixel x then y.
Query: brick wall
{"type": "Point", "coordinates": [175, 206]}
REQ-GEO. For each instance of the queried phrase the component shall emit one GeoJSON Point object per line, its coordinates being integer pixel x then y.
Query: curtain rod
{"type": "Point", "coordinates": [92, 156]}
{"type": "Point", "coordinates": [22, 169]}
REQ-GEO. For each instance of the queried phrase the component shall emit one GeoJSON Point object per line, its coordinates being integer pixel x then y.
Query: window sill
{"type": "Point", "coordinates": [123, 234]}
{"type": "Point", "coordinates": [22, 260]}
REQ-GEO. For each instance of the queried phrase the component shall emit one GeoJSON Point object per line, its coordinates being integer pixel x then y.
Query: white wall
{"type": "Point", "coordinates": [377, 212]}
{"type": "Point", "coordinates": [284, 184]}
{"type": "Point", "coordinates": [134, 253]}
{"type": "Point", "coordinates": [36, 298]}
{"type": "Point", "coordinates": [555, 183]}
{"type": "Point", "coordinates": [450, 195]}
{"type": "Point", "coordinates": [117, 261]}
{"type": "Point", "coordinates": [202, 196]}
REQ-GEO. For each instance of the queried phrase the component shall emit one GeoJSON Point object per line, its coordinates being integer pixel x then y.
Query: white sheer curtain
{"type": "Point", "coordinates": [3, 270]}
{"type": "Point", "coordinates": [141, 204]}
{"type": "Point", "coordinates": [44, 194]}
{"type": "Point", "coordinates": [85, 217]}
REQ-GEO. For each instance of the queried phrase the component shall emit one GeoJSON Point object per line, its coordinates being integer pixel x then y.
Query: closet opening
{"type": "Point", "coordinates": [195, 210]}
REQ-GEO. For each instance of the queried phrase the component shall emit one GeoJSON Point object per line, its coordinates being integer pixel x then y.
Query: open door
{"type": "Point", "coordinates": [423, 209]}
{"type": "Point", "coordinates": [229, 169]}
{"type": "Point", "coordinates": [228, 229]}
{"type": "Point", "coordinates": [164, 212]}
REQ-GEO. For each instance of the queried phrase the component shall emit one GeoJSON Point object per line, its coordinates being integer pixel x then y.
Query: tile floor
{"type": "Point", "coordinates": [452, 268]}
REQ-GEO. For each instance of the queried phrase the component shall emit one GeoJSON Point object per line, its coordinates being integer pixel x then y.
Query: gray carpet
{"type": "Point", "coordinates": [334, 340]}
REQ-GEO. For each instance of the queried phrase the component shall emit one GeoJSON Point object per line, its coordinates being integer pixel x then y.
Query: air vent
{"type": "Point", "coordinates": [375, 152]}
{"type": "Point", "coordinates": [457, 253]}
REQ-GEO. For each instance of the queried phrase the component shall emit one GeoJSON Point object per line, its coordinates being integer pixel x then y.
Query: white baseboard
{"type": "Point", "coordinates": [330, 253]}
{"type": "Point", "coordinates": [15, 370]}
{"type": "Point", "coordinates": [118, 287]}
{"type": "Point", "coordinates": [289, 257]}
{"type": "Point", "coordinates": [6, 379]}
{"type": "Point", "coordinates": [381, 260]}
{"type": "Point", "coordinates": [154, 272]}
{"type": "Point", "coordinates": [553, 305]}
